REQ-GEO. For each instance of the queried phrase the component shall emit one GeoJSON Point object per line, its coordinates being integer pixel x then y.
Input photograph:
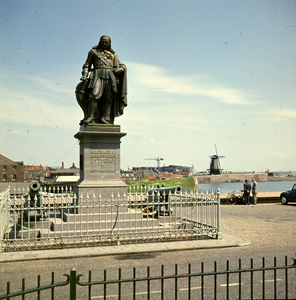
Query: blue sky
{"type": "Point", "coordinates": [200, 73]}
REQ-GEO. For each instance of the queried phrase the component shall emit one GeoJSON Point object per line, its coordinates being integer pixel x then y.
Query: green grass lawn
{"type": "Point", "coordinates": [187, 183]}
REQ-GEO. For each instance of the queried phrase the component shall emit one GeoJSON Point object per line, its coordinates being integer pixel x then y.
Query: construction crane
{"type": "Point", "coordinates": [158, 159]}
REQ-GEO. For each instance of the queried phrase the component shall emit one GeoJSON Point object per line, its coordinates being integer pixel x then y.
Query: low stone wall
{"type": "Point", "coordinates": [14, 186]}
{"type": "Point", "coordinates": [286, 178]}
{"type": "Point", "coordinates": [262, 197]}
{"type": "Point", "coordinates": [260, 177]}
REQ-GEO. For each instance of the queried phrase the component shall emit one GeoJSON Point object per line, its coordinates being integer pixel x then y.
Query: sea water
{"type": "Point", "coordinates": [268, 186]}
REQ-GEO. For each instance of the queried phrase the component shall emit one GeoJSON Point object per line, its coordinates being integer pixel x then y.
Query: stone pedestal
{"type": "Point", "coordinates": [100, 162]}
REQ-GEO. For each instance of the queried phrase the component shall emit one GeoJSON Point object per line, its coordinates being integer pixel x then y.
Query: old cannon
{"type": "Point", "coordinates": [33, 203]}
{"type": "Point", "coordinates": [164, 191]}
{"type": "Point", "coordinates": [162, 194]}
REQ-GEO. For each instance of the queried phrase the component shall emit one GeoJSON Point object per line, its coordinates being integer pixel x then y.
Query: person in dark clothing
{"type": "Point", "coordinates": [254, 190]}
{"type": "Point", "coordinates": [247, 190]}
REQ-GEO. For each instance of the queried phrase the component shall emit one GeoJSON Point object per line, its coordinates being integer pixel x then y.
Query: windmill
{"type": "Point", "coordinates": [215, 167]}
{"type": "Point", "coordinates": [156, 158]}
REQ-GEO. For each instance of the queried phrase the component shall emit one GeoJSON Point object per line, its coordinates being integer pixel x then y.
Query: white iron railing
{"type": "Point", "coordinates": [65, 221]}
{"type": "Point", "coordinates": [4, 215]}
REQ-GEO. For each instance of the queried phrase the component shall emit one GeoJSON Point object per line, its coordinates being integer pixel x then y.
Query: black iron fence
{"type": "Point", "coordinates": [273, 282]}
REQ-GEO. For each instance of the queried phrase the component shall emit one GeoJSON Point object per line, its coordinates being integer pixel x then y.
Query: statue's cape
{"type": "Point", "coordinates": [120, 101]}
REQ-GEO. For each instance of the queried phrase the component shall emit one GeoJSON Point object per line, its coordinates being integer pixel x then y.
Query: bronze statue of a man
{"type": "Point", "coordinates": [103, 95]}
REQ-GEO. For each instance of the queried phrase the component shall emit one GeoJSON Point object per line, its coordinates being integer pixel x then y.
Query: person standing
{"type": "Point", "coordinates": [247, 190]}
{"type": "Point", "coordinates": [254, 190]}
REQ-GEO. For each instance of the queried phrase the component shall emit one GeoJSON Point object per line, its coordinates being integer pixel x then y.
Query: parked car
{"type": "Point", "coordinates": [289, 196]}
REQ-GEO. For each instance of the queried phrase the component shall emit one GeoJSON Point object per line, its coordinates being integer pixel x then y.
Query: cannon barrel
{"type": "Point", "coordinates": [161, 194]}
{"type": "Point", "coordinates": [34, 190]}
{"type": "Point", "coordinates": [165, 190]}
{"type": "Point", "coordinates": [33, 201]}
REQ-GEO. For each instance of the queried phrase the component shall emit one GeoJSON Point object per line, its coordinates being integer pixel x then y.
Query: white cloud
{"type": "Point", "coordinates": [160, 79]}
{"type": "Point", "coordinates": [23, 108]}
{"type": "Point", "coordinates": [275, 153]}
{"type": "Point", "coordinates": [279, 114]}
{"type": "Point", "coordinates": [14, 131]}
{"type": "Point", "coordinates": [287, 113]}
{"type": "Point", "coordinates": [153, 141]}
{"type": "Point", "coordinates": [45, 84]}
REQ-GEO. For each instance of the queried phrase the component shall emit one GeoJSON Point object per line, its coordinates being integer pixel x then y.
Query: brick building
{"type": "Point", "coordinates": [11, 171]}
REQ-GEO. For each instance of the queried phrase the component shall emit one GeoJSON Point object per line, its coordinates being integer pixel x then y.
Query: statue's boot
{"type": "Point", "coordinates": [91, 111]}
{"type": "Point", "coordinates": [106, 113]}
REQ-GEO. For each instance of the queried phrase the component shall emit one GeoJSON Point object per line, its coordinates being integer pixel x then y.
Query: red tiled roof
{"type": "Point", "coordinates": [34, 168]}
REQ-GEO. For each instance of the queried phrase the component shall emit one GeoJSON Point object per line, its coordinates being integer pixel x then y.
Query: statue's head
{"type": "Point", "coordinates": [105, 42]}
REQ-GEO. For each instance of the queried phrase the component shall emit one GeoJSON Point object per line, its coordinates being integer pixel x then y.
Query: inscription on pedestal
{"type": "Point", "coordinates": [102, 161]}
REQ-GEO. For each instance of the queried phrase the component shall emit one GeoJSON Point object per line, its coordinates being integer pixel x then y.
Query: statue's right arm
{"type": "Point", "coordinates": [86, 67]}
{"type": "Point", "coordinates": [84, 72]}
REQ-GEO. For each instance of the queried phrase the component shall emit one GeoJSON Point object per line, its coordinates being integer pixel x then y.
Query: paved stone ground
{"type": "Point", "coordinates": [225, 241]}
